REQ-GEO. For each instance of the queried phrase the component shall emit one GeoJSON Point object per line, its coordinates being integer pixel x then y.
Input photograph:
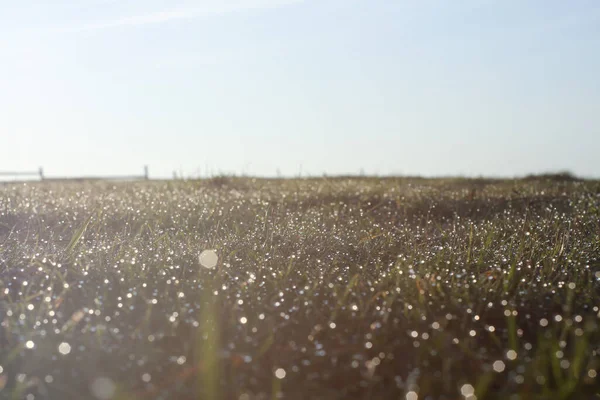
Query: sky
{"type": "Point", "coordinates": [300, 87]}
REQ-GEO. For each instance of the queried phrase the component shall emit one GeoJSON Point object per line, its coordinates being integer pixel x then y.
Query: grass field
{"type": "Point", "coordinates": [324, 289]}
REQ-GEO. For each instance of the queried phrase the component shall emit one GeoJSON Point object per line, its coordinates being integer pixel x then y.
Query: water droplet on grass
{"type": "Point", "coordinates": [467, 390]}
{"type": "Point", "coordinates": [511, 355]}
{"type": "Point", "coordinates": [208, 259]}
{"type": "Point", "coordinates": [280, 373]}
{"type": "Point", "coordinates": [64, 348]}
{"type": "Point", "coordinates": [412, 396]}
{"type": "Point", "coordinates": [499, 366]}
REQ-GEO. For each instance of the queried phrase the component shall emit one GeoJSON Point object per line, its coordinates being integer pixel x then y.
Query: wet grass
{"type": "Point", "coordinates": [330, 288]}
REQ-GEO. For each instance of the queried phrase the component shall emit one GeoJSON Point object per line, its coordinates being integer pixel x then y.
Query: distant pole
{"type": "Point", "coordinates": [146, 176]}
{"type": "Point", "coordinates": [41, 172]}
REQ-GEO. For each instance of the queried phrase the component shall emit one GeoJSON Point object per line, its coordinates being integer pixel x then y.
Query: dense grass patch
{"type": "Point", "coordinates": [324, 289]}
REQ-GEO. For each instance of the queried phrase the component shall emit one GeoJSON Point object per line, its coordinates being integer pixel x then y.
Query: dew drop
{"type": "Point", "coordinates": [208, 259]}
{"type": "Point", "coordinates": [280, 373]}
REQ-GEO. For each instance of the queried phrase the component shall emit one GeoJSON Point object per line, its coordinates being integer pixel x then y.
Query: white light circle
{"type": "Point", "coordinates": [208, 259]}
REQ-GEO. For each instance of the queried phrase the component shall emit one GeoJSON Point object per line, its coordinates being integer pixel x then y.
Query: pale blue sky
{"type": "Point", "coordinates": [504, 87]}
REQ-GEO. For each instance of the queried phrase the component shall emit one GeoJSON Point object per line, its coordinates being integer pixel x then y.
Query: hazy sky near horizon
{"type": "Point", "coordinates": [471, 87]}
